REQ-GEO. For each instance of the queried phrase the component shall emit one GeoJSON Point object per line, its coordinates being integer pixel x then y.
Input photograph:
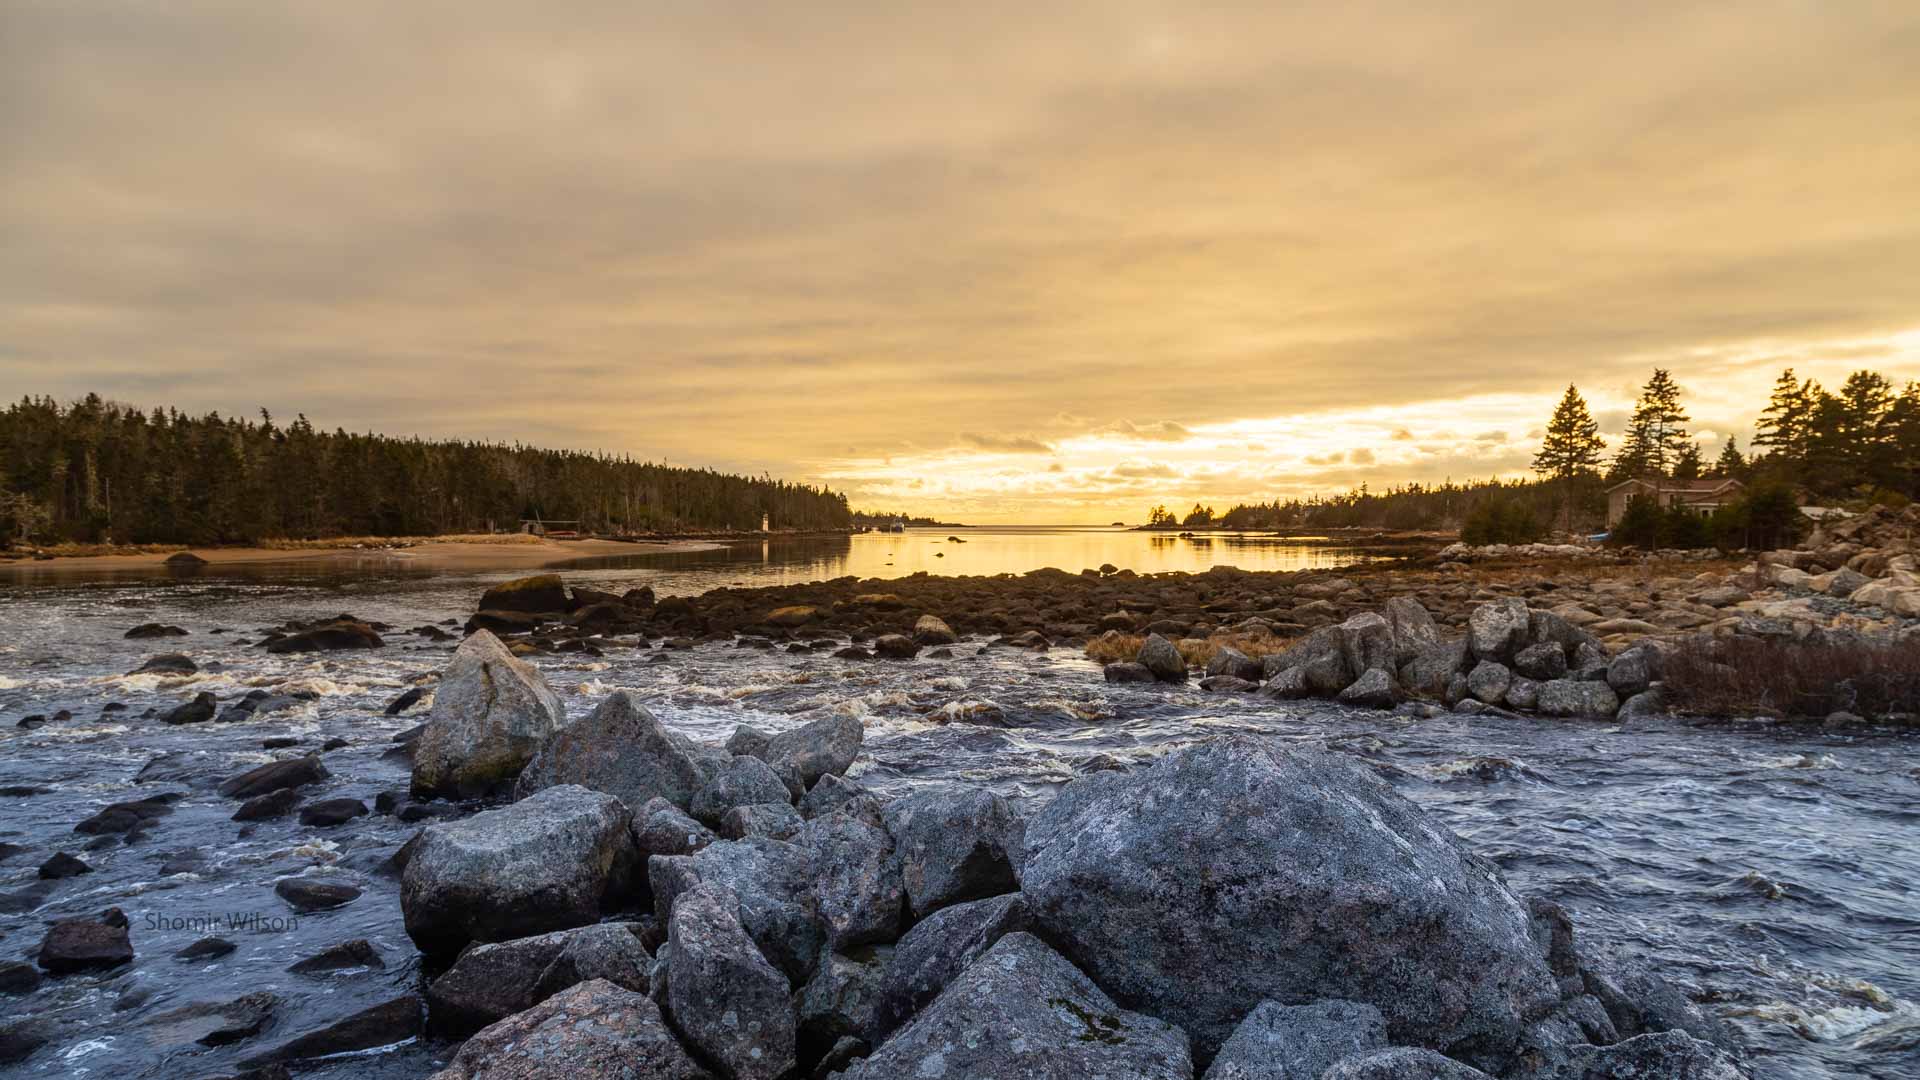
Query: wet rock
{"type": "Point", "coordinates": [358, 953]}
{"type": "Point", "coordinates": [21, 1037]}
{"type": "Point", "coordinates": [167, 664]}
{"type": "Point", "coordinates": [740, 781]}
{"type": "Point", "coordinates": [86, 944]}
{"type": "Point", "coordinates": [198, 711]}
{"type": "Point", "coordinates": [1639, 1001]}
{"type": "Point", "coordinates": [490, 982]}
{"type": "Point", "coordinates": [271, 805]}
{"type": "Point", "coordinates": [1541, 662]}
{"type": "Point", "coordinates": [857, 889]}
{"type": "Point", "coordinates": [895, 647]}
{"type": "Point", "coordinates": [1523, 693]}
{"type": "Point", "coordinates": [1238, 870]}
{"type": "Point", "coordinates": [404, 702]}
{"type": "Point", "coordinates": [548, 862]}
{"type": "Point", "coordinates": [1498, 629]}
{"type": "Point", "coordinates": [1289, 684]}
{"type": "Point", "coordinates": [594, 1029]}
{"type": "Point", "coordinates": [490, 715]}
{"type": "Point", "coordinates": [1488, 681]}
{"type": "Point", "coordinates": [213, 1023]}
{"type": "Point", "coordinates": [184, 559]}
{"type": "Point", "coordinates": [937, 950]}
{"type": "Point", "coordinates": [724, 996]}
{"type": "Point", "coordinates": [1634, 670]}
{"type": "Point", "coordinates": [1228, 684]}
{"type": "Point", "coordinates": [1402, 1063]}
{"type": "Point", "coordinates": [828, 794]}
{"type": "Point", "coordinates": [328, 635]}
{"type": "Point", "coordinates": [1162, 658]}
{"type": "Point", "coordinates": [1127, 671]}
{"type": "Point", "coordinates": [776, 820]}
{"type": "Point", "coordinates": [18, 977]}
{"type": "Point", "coordinates": [621, 749]}
{"type": "Point", "coordinates": [1374, 689]}
{"type": "Point", "coordinates": [955, 844]}
{"type": "Point", "coordinates": [153, 630]}
{"type": "Point", "coordinates": [306, 894]}
{"type": "Point", "coordinates": [1232, 662]}
{"type": "Point", "coordinates": [63, 865]}
{"type": "Point", "coordinates": [382, 1025]}
{"type": "Point", "coordinates": [331, 812]}
{"type": "Point", "coordinates": [1297, 1042]}
{"type": "Point", "coordinates": [933, 630]}
{"type": "Point", "coordinates": [824, 747]}
{"type": "Point", "coordinates": [127, 817]}
{"type": "Point", "coordinates": [275, 775]}
{"type": "Point", "coordinates": [1650, 702]}
{"type": "Point", "coordinates": [1577, 698]}
{"type": "Point", "coordinates": [1021, 1010]}
{"type": "Point", "coordinates": [538, 594]}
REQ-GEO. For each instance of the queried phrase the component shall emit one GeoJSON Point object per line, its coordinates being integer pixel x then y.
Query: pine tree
{"type": "Point", "coordinates": [1656, 434]}
{"type": "Point", "coordinates": [1687, 465]}
{"type": "Point", "coordinates": [1571, 448]}
{"type": "Point", "coordinates": [1730, 462]}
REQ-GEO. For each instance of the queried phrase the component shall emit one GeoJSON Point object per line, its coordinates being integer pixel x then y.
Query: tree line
{"type": "Point", "coordinates": [1857, 446]}
{"type": "Point", "coordinates": [96, 471]}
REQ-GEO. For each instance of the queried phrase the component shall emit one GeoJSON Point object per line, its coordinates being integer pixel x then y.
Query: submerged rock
{"type": "Point", "coordinates": [490, 715]}
{"type": "Point", "coordinates": [825, 747]}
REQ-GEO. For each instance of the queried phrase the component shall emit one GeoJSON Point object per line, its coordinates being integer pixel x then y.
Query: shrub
{"type": "Point", "coordinates": [1768, 516]}
{"type": "Point", "coordinates": [1640, 524]}
{"type": "Point", "coordinates": [1739, 675]}
{"type": "Point", "coordinates": [1501, 521]}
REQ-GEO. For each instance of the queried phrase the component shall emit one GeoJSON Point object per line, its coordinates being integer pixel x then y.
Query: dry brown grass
{"type": "Point", "coordinates": [1197, 652]}
{"type": "Point", "coordinates": [332, 542]}
{"type": "Point", "coordinates": [1745, 676]}
{"type": "Point", "coordinates": [70, 549]}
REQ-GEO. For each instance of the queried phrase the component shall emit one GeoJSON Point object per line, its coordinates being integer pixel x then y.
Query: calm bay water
{"type": "Point", "coordinates": [1774, 874]}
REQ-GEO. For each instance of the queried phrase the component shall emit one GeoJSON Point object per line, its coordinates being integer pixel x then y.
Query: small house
{"type": "Point", "coordinates": [1703, 496]}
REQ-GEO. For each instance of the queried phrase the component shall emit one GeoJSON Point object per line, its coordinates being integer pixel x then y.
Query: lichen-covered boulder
{"type": "Point", "coordinates": [937, 950]}
{"type": "Point", "coordinates": [857, 887]}
{"type": "Point", "coordinates": [548, 862]}
{"type": "Point", "coordinates": [1430, 668]}
{"type": "Point", "coordinates": [731, 1004]}
{"type": "Point", "coordinates": [593, 1029]}
{"type": "Point", "coordinates": [1670, 1055]}
{"type": "Point", "coordinates": [1488, 681]}
{"type": "Point", "coordinates": [1021, 1010]}
{"type": "Point", "coordinates": [1499, 628]}
{"type": "Point", "coordinates": [1367, 642]}
{"type": "Point", "coordinates": [1297, 1042]}
{"type": "Point", "coordinates": [1321, 657]}
{"type": "Point", "coordinates": [1231, 662]}
{"type": "Point", "coordinates": [660, 828]}
{"type": "Point", "coordinates": [1577, 697]}
{"type": "Point", "coordinates": [1239, 870]}
{"type": "Point", "coordinates": [619, 748]}
{"type": "Point", "coordinates": [1541, 662]}
{"type": "Point", "coordinates": [1413, 628]}
{"type": "Point", "coordinates": [838, 1002]}
{"type": "Point", "coordinates": [490, 715]}
{"type": "Point", "coordinates": [1374, 689]}
{"type": "Point", "coordinates": [955, 843]}
{"type": "Point", "coordinates": [778, 820]}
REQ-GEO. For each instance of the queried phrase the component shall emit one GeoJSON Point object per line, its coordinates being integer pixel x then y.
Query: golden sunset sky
{"type": "Point", "coordinates": [991, 261]}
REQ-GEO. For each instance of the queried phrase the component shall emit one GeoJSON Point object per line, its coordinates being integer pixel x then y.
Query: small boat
{"type": "Point", "coordinates": [898, 526]}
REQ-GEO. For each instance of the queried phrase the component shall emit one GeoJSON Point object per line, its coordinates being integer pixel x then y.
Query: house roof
{"type": "Point", "coordinates": [1703, 486]}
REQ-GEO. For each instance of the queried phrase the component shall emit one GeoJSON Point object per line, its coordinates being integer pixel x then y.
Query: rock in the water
{"type": "Point", "coordinates": [594, 1029]}
{"type": "Point", "coordinates": [86, 944]}
{"type": "Point", "coordinates": [490, 715]}
{"type": "Point", "coordinates": [153, 630]}
{"type": "Point", "coordinates": [795, 616]}
{"type": "Point", "coordinates": [271, 805]}
{"type": "Point", "coordinates": [731, 1004]}
{"type": "Point", "coordinates": [1297, 1042]}
{"type": "Point", "coordinates": [1238, 870]}
{"type": "Point", "coordinates": [548, 862]}
{"type": "Point", "coordinates": [1498, 629]}
{"type": "Point", "coordinates": [207, 948]}
{"type": "Point", "coordinates": [825, 747]}
{"type": "Point", "coordinates": [327, 635]}
{"type": "Point", "coordinates": [198, 711]}
{"type": "Point", "coordinates": [1577, 697]}
{"type": "Point", "coordinates": [541, 594]}
{"type": "Point", "coordinates": [1127, 671]}
{"type": "Point", "coordinates": [63, 865]}
{"type": "Point", "coordinates": [1232, 662]}
{"type": "Point", "coordinates": [348, 954]}
{"type": "Point", "coordinates": [740, 781]}
{"type": "Point", "coordinates": [490, 982]}
{"type": "Point", "coordinates": [1021, 1010]}
{"type": "Point", "coordinates": [275, 775]}
{"type": "Point", "coordinates": [330, 812]}
{"type": "Point", "coordinates": [1634, 670]}
{"type": "Point", "coordinates": [1163, 659]}
{"type": "Point", "coordinates": [937, 950]}
{"type": "Point", "coordinates": [620, 748]}
{"type": "Point", "coordinates": [305, 894]}
{"type": "Point", "coordinates": [1670, 1055]}
{"type": "Point", "coordinates": [1403, 1063]}
{"type": "Point", "coordinates": [955, 844]}
{"type": "Point", "coordinates": [1374, 689]}
{"type": "Point", "coordinates": [933, 630]}
{"type": "Point", "coordinates": [213, 1023]}
{"type": "Point", "coordinates": [1488, 681]}
{"type": "Point", "coordinates": [382, 1025]}
{"type": "Point", "coordinates": [18, 977]}
{"type": "Point", "coordinates": [895, 647]}
{"type": "Point", "coordinates": [167, 664]}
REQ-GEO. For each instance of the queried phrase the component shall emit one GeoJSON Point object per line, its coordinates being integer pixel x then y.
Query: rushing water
{"type": "Point", "coordinates": [1774, 874]}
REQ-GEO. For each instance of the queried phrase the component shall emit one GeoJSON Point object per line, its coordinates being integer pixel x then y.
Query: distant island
{"type": "Point", "coordinates": [874, 520]}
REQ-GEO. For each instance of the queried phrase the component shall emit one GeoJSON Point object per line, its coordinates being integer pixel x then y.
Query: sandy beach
{"type": "Point", "coordinates": [437, 554]}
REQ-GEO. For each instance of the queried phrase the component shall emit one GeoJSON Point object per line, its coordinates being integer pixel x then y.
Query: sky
{"type": "Point", "coordinates": [990, 261]}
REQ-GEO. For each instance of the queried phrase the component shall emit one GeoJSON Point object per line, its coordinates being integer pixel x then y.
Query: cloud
{"type": "Point", "coordinates": [1362, 456]}
{"type": "Point", "coordinates": [1144, 472]}
{"type": "Point", "coordinates": [1006, 444]}
{"type": "Point", "coordinates": [1159, 431]}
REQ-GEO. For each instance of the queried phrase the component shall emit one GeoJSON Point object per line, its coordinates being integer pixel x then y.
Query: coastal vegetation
{"type": "Point", "coordinates": [97, 471]}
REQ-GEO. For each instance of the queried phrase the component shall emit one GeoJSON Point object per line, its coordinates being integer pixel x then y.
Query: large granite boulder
{"type": "Point", "coordinates": [1297, 1042]}
{"type": "Point", "coordinates": [937, 950]}
{"type": "Point", "coordinates": [1577, 697]}
{"type": "Point", "coordinates": [739, 781]}
{"type": "Point", "coordinates": [541, 594]}
{"type": "Point", "coordinates": [772, 881]}
{"type": "Point", "coordinates": [1404, 1063]}
{"type": "Point", "coordinates": [1239, 871]}
{"type": "Point", "coordinates": [731, 1004]}
{"type": "Point", "coordinates": [1022, 1011]}
{"type": "Point", "coordinates": [825, 747]}
{"type": "Point", "coordinates": [491, 982]}
{"type": "Point", "coordinates": [1367, 642]}
{"type": "Point", "coordinates": [593, 1029]}
{"type": "Point", "coordinates": [1413, 628]}
{"type": "Point", "coordinates": [491, 714]}
{"type": "Point", "coordinates": [858, 890]}
{"type": "Point", "coordinates": [548, 862]}
{"type": "Point", "coordinates": [1670, 1055]}
{"type": "Point", "coordinates": [1162, 657]}
{"type": "Point", "coordinates": [955, 844]}
{"type": "Point", "coordinates": [1498, 629]}
{"type": "Point", "coordinates": [621, 749]}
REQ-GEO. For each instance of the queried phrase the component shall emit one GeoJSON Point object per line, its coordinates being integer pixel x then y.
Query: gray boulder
{"type": "Point", "coordinates": [1669, 1055]}
{"type": "Point", "coordinates": [828, 794]}
{"type": "Point", "coordinates": [1127, 671]}
{"type": "Point", "coordinates": [1403, 1063]}
{"type": "Point", "coordinates": [1523, 693]}
{"type": "Point", "coordinates": [1297, 1042]}
{"type": "Point", "coordinates": [1232, 662]}
{"type": "Point", "coordinates": [621, 749]}
{"type": "Point", "coordinates": [858, 893]}
{"type": "Point", "coordinates": [490, 982]}
{"type": "Point", "coordinates": [839, 1001]}
{"type": "Point", "coordinates": [1574, 697]}
{"type": "Point", "coordinates": [1635, 669]}
{"type": "Point", "coordinates": [955, 844]}
{"type": "Point", "coordinates": [593, 1029]}
{"type": "Point", "coordinates": [1433, 666]}
{"type": "Point", "coordinates": [1414, 630]}
{"type": "Point", "coordinates": [895, 647]}
{"type": "Point", "coordinates": [1022, 1011]}
{"type": "Point", "coordinates": [1162, 657]}
{"type": "Point", "coordinates": [660, 828]}
{"type": "Point", "coordinates": [1374, 689]}
{"type": "Point", "coordinates": [1289, 684]}
{"type": "Point", "coordinates": [1488, 681]}
{"type": "Point", "coordinates": [723, 995]}
{"type": "Point", "coordinates": [1321, 657]}
{"type": "Point", "coordinates": [933, 630]}
{"type": "Point", "coordinates": [1239, 870]}
{"type": "Point", "coordinates": [1541, 662]}
{"type": "Point", "coordinates": [1366, 640]}
{"type": "Point", "coordinates": [772, 881]}
{"type": "Point", "coordinates": [747, 740]}
{"type": "Point", "coordinates": [1498, 629]}
{"type": "Point", "coordinates": [777, 820]}
{"type": "Point", "coordinates": [491, 714]}
{"type": "Point", "coordinates": [825, 747]}
{"type": "Point", "coordinates": [937, 950]}
{"type": "Point", "coordinates": [742, 781]}
{"type": "Point", "coordinates": [548, 862]}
